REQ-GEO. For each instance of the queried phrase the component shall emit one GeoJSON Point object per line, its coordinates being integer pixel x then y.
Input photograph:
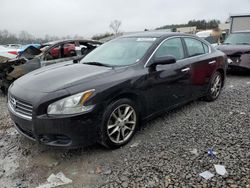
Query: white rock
{"type": "Point", "coordinates": [194, 151]}
{"type": "Point", "coordinates": [220, 169]}
{"type": "Point", "coordinates": [206, 175]}
{"type": "Point", "coordinates": [55, 180]}
{"type": "Point", "coordinates": [134, 145]}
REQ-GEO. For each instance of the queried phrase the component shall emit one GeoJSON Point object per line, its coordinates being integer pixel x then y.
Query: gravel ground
{"type": "Point", "coordinates": [169, 151]}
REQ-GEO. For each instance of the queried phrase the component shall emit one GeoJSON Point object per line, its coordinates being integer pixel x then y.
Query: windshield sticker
{"type": "Point", "coordinates": [146, 39]}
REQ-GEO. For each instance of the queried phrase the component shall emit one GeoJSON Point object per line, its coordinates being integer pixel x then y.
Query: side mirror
{"type": "Point", "coordinates": [163, 60]}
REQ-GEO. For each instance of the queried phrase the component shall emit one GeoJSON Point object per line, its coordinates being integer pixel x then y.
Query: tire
{"type": "Point", "coordinates": [120, 122]}
{"type": "Point", "coordinates": [215, 87]}
{"type": "Point", "coordinates": [3, 89]}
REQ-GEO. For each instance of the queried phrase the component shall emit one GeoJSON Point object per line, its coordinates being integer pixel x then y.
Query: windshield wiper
{"type": "Point", "coordinates": [226, 43]}
{"type": "Point", "coordinates": [97, 64]}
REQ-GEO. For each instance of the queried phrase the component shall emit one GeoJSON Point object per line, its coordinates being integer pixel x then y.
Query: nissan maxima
{"type": "Point", "coordinates": [117, 87]}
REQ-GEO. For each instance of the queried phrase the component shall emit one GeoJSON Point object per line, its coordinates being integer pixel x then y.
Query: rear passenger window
{"type": "Point", "coordinates": [194, 47]}
{"type": "Point", "coordinates": [171, 47]}
{"type": "Point", "coordinates": [206, 48]}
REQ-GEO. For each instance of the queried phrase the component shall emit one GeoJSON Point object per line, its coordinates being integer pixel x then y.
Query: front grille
{"type": "Point", "coordinates": [20, 107]}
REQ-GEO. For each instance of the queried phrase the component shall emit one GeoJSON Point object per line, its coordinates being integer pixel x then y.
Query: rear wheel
{"type": "Point", "coordinates": [215, 87]}
{"type": "Point", "coordinates": [120, 123]}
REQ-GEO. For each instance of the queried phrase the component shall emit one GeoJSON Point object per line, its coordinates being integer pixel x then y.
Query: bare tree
{"type": "Point", "coordinates": [115, 25]}
{"type": "Point", "coordinates": [25, 37]}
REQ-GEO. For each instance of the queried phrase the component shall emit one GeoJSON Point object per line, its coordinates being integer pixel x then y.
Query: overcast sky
{"type": "Point", "coordinates": [89, 17]}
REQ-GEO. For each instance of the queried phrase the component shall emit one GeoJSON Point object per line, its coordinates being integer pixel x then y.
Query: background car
{"type": "Point", "coordinates": [13, 46]}
{"type": "Point", "coordinates": [51, 53]}
{"type": "Point", "coordinates": [212, 36]}
{"type": "Point", "coordinates": [237, 49]}
{"type": "Point", "coordinates": [68, 50]}
{"type": "Point", "coordinates": [7, 53]}
{"type": "Point", "coordinates": [123, 82]}
{"type": "Point", "coordinates": [24, 47]}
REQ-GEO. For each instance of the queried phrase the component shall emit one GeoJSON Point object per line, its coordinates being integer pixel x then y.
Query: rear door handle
{"type": "Point", "coordinates": [185, 70]}
{"type": "Point", "coordinates": [212, 62]}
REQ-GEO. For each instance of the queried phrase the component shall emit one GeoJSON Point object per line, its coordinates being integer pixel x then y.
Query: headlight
{"type": "Point", "coordinates": [229, 61]}
{"type": "Point", "coordinates": [71, 105]}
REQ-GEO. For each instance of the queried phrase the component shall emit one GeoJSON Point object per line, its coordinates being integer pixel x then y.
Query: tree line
{"type": "Point", "coordinates": [200, 24]}
{"type": "Point", "coordinates": [24, 37]}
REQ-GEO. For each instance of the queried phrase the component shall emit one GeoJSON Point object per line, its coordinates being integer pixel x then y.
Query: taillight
{"type": "Point", "coordinates": [13, 52]}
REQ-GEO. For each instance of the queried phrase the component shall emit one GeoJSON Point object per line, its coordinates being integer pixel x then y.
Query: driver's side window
{"type": "Point", "coordinates": [171, 47]}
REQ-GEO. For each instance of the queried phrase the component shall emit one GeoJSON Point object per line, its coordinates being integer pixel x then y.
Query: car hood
{"type": "Point", "coordinates": [234, 49]}
{"type": "Point", "coordinates": [30, 52]}
{"type": "Point", "coordinates": [53, 78]}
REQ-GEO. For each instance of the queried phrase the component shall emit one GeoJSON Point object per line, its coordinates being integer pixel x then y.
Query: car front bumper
{"type": "Point", "coordinates": [66, 131]}
{"type": "Point", "coordinates": [241, 63]}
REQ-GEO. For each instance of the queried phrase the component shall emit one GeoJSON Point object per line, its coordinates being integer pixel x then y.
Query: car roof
{"type": "Point", "coordinates": [243, 31]}
{"type": "Point", "coordinates": [71, 40]}
{"type": "Point", "coordinates": [156, 34]}
{"type": "Point", "coordinates": [205, 33]}
{"type": "Point", "coordinates": [240, 15]}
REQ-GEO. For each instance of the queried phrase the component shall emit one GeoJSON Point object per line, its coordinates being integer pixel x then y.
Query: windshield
{"type": "Point", "coordinates": [238, 38]}
{"type": "Point", "coordinates": [120, 52]}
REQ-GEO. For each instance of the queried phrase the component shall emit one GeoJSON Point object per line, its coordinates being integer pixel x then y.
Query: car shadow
{"type": "Point", "coordinates": [238, 72]}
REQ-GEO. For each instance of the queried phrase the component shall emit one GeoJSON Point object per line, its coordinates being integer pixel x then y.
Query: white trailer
{"type": "Point", "coordinates": [240, 22]}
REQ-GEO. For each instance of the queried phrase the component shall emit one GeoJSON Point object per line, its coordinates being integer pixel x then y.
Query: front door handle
{"type": "Point", "coordinates": [212, 62]}
{"type": "Point", "coordinates": [185, 70]}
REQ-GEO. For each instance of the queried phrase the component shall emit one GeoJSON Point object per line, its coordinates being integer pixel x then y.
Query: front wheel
{"type": "Point", "coordinates": [215, 87]}
{"type": "Point", "coordinates": [120, 123]}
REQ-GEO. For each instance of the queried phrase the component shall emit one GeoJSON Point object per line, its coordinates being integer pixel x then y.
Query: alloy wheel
{"type": "Point", "coordinates": [121, 124]}
{"type": "Point", "coordinates": [216, 86]}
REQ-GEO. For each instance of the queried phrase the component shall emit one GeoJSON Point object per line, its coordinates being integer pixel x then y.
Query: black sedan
{"type": "Point", "coordinates": [124, 82]}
